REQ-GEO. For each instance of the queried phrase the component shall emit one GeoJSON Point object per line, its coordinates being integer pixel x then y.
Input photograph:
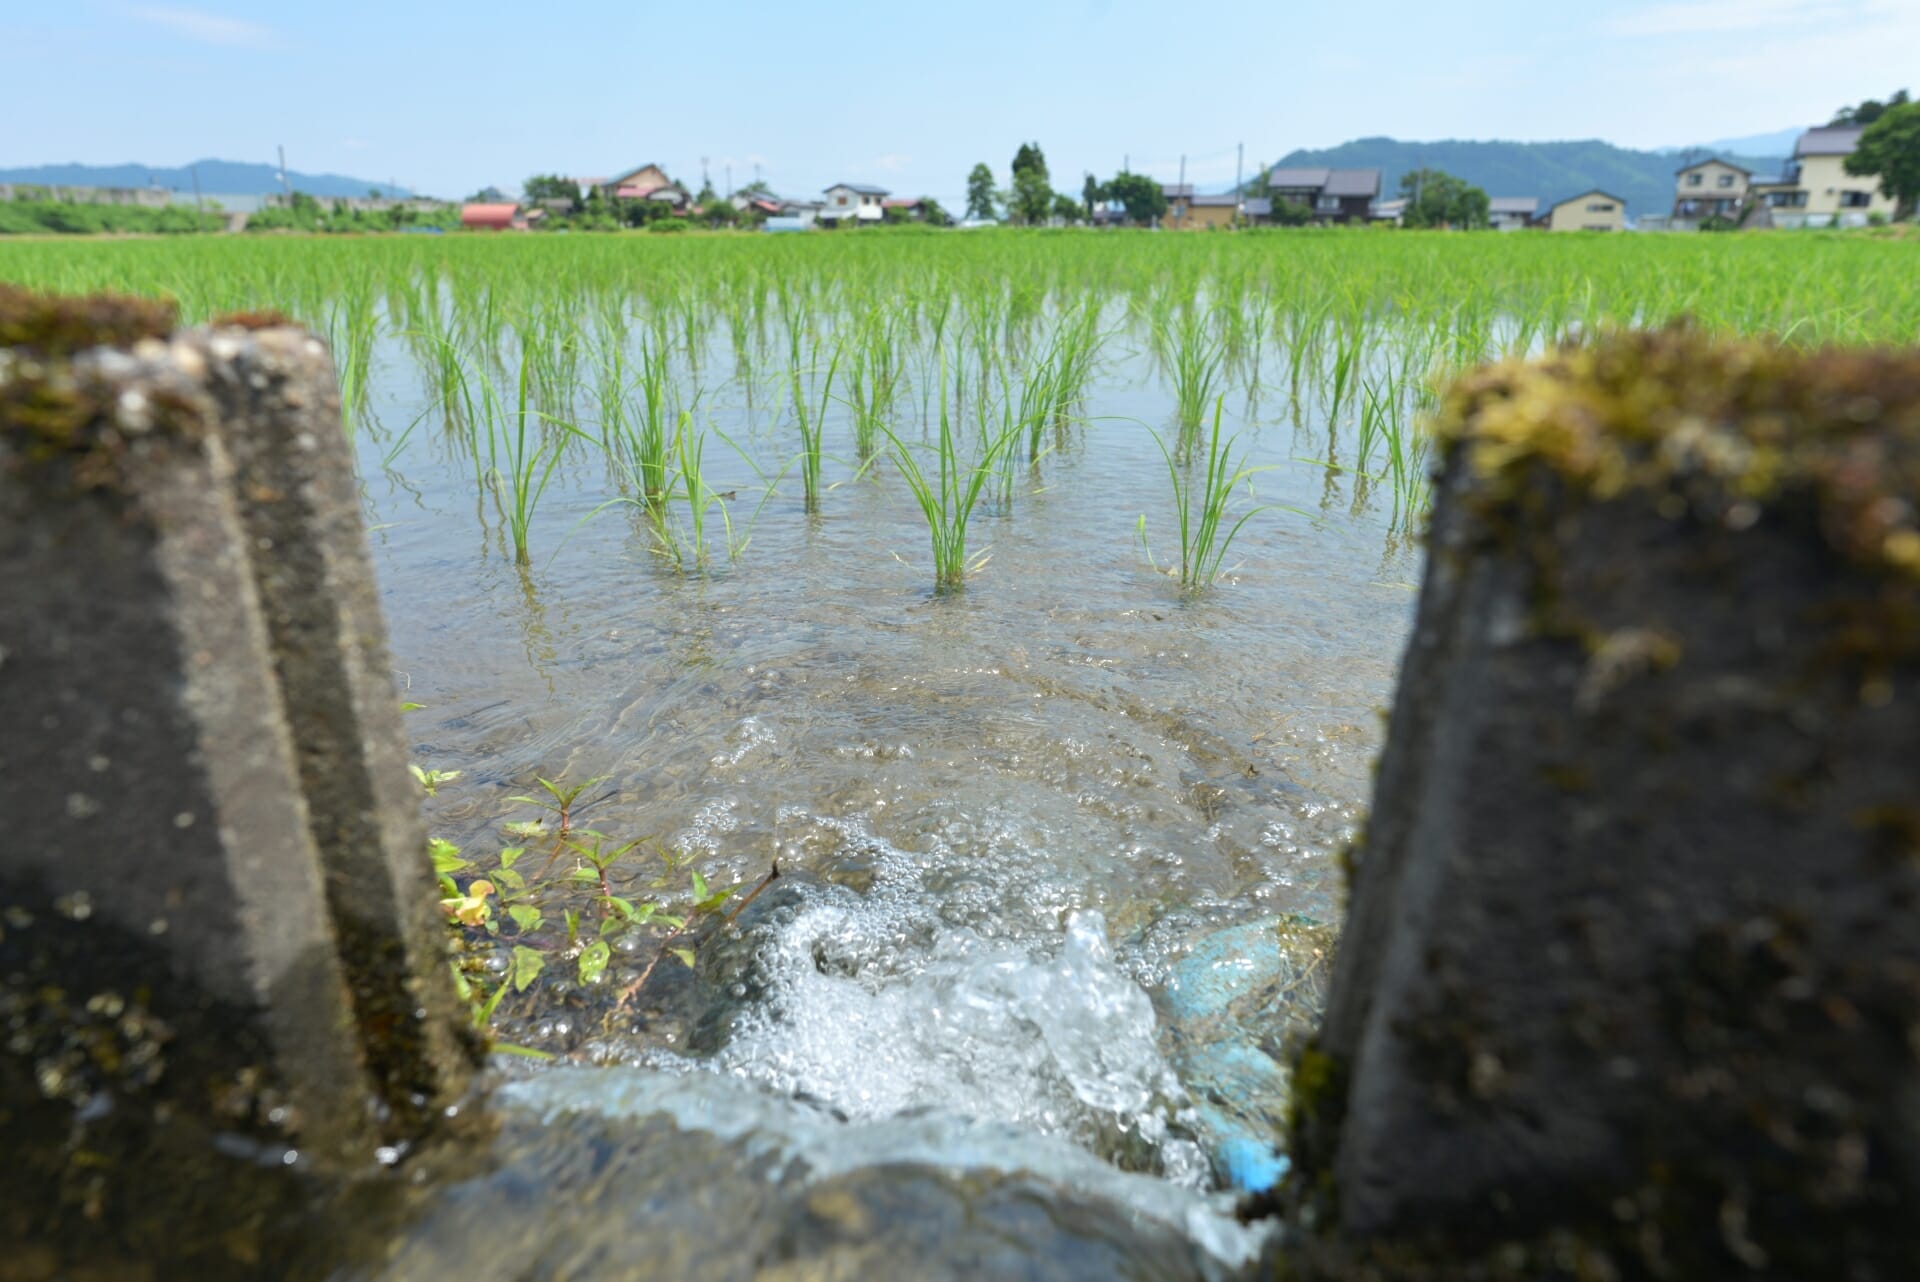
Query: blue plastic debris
{"type": "Point", "coordinates": [1250, 1165]}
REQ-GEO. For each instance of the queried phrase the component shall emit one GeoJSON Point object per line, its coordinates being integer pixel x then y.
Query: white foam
{"type": "Point", "coordinates": [879, 1005]}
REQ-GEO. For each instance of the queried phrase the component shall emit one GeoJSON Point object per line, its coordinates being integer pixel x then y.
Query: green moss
{"type": "Point", "coordinates": [1731, 431]}
{"type": "Point", "coordinates": [50, 410]}
{"type": "Point", "coordinates": [51, 325]}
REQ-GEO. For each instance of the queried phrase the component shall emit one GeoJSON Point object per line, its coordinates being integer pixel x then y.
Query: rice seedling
{"type": "Point", "coordinates": [947, 499]}
{"type": "Point", "coordinates": [1200, 507]}
{"type": "Point", "coordinates": [873, 378]}
{"type": "Point", "coordinates": [811, 415]}
{"type": "Point", "coordinates": [1195, 358]}
{"type": "Point", "coordinates": [532, 454]}
{"type": "Point", "coordinates": [993, 333]}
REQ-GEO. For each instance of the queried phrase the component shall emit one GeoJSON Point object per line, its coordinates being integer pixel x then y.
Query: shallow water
{"type": "Point", "coordinates": [1025, 803]}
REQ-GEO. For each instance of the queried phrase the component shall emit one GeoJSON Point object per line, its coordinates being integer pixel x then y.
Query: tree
{"type": "Point", "coordinates": [1288, 212]}
{"type": "Point", "coordinates": [980, 192]}
{"type": "Point", "coordinates": [1869, 111]}
{"type": "Point", "coordinates": [1890, 149]}
{"type": "Point", "coordinates": [550, 187]}
{"type": "Point", "coordinates": [1438, 199]}
{"type": "Point", "coordinates": [1092, 194]}
{"type": "Point", "coordinates": [1066, 208]}
{"type": "Point", "coordinates": [1031, 199]}
{"type": "Point", "coordinates": [1141, 195]}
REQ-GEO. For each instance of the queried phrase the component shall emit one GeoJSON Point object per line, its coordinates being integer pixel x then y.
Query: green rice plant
{"type": "Point", "coordinates": [947, 499]}
{"type": "Point", "coordinates": [637, 438]}
{"type": "Point", "coordinates": [873, 377]}
{"type": "Point", "coordinates": [1200, 512]}
{"type": "Point", "coordinates": [1195, 358]}
{"type": "Point", "coordinates": [531, 456]}
{"type": "Point", "coordinates": [1349, 336]}
{"type": "Point", "coordinates": [690, 481]}
{"type": "Point", "coordinates": [811, 415]}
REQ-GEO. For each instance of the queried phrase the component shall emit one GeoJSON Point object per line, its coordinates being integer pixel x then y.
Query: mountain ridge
{"type": "Point", "coordinates": [1549, 170]}
{"type": "Point", "coordinates": [217, 177]}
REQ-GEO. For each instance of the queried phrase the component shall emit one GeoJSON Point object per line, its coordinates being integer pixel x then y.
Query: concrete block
{"type": "Point", "coordinates": [217, 942]}
{"type": "Point", "coordinates": [1630, 985]}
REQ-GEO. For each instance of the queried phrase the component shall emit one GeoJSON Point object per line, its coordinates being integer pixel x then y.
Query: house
{"type": "Point", "coordinates": [1593, 210]}
{"type": "Point", "coordinates": [1334, 195]}
{"type": "Point", "coordinates": [1511, 213]}
{"type": "Point", "coordinates": [493, 216]}
{"type": "Point", "coordinates": [648, 182]}
{"type": "Point", "coordinates": [1708, 189]}
{"type": "Point", "coordinates": [1187, 210]}
{"type": "Point", "coordinates": [807, 211]}
{"type": "Point", "coordinates": [853, 201]}
{"type": "Point", "coordinates": [756, 203]}
{"type": "Point", "coordinates": [917, 209]}
{"type": "Point", "coordinates": [1816, 190]}
{"type": "Point", "coordinates": [1389, 211]}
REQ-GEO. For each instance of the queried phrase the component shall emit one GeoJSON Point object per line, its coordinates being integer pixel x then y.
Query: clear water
{"type": "Point", "coordinates": [1026, 801]}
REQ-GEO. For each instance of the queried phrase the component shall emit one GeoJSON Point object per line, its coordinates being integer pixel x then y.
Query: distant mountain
{"type": "Point", "coordinates": [217, 177]}
{"type": "Point", "coordinates": [1778, 143]}
{"type": "Point", "coordinates": [1550, 170]}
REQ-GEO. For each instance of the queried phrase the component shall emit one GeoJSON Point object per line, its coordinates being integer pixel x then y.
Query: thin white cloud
{"type": "Point", "coordinates": [893, 162]}
{"type": "Point", "coordinates": [1719, 17]}
{"type": "Point", "coordinates": [207, 28]}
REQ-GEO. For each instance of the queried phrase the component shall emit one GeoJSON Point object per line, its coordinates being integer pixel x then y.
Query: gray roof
{"type": "Point", "coordinates": [1713, 160]}
{"type": "Point", "coordinates": [1353, 182]}
{"type": "Point", "coordinates": [1228, 201]}
{"type": "Point", "coordinates": [1314, 179]}
{"type": "Point", "coordinates": [1834, 140]}
{"type": "Point", "coordinates": [1528, 205]}
{"type": "Point", "coordinates": [862, 188]}
{"type": "Point", "coordinates": [1591, 191]}
{"type": "Point", "coordinates": [1173, 191]}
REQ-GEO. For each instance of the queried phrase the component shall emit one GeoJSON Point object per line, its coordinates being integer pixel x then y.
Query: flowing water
{"type": "Point", "coordinates": [1018, 826]}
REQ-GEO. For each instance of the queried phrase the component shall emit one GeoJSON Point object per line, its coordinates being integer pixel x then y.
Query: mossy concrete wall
{"type": "Point", "coordinates": [1631, 982]}
{"type": "Point", "coordinates": [216, 931]}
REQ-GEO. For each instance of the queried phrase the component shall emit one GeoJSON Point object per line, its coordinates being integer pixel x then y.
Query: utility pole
{"type": "Point", "coordinates": [199, 206]}
{"type": "Point", "coordinates": [705, 182]}
{"type": "Point", "coordinates": [284, 184]}
{"type": "Point", "coordinates": [1180, 189]}
{"type": "Point", "coordinates": [1239, 197]}
{"type": "Point", "coordinates": [729, 191]}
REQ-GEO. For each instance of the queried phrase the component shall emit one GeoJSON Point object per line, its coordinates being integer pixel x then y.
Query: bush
{"type": "Point", "coordinates": [1290, 213]}
{"type": "Point", "coordinates": [29, 217]}
{"type": "Point", "coordinates": [669, 224]}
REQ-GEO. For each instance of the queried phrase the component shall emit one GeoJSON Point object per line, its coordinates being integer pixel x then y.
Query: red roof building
{"type": "Point", "coordinates": [492, 217]}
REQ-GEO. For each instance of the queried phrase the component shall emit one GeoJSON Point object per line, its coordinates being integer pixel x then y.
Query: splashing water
{"type": "Point", "coordinates": [878, 1006]}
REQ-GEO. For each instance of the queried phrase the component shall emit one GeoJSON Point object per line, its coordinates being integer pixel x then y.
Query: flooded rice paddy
{"type": "Point", "coordinates": [1013, 809]}
{"type": "Point", "coordinates": [1057, 834]}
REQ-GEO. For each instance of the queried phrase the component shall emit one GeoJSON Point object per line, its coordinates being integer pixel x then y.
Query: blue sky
{"type": "Point", "coordinates": [449, 97]}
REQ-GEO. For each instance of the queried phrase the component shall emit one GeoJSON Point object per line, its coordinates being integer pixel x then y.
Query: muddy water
{"type": "Point", "coordinates": [1007, 815]}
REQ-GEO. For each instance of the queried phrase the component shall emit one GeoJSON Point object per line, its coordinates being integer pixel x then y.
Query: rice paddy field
{"type": "Point", "coordinates": [1031, 598]}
